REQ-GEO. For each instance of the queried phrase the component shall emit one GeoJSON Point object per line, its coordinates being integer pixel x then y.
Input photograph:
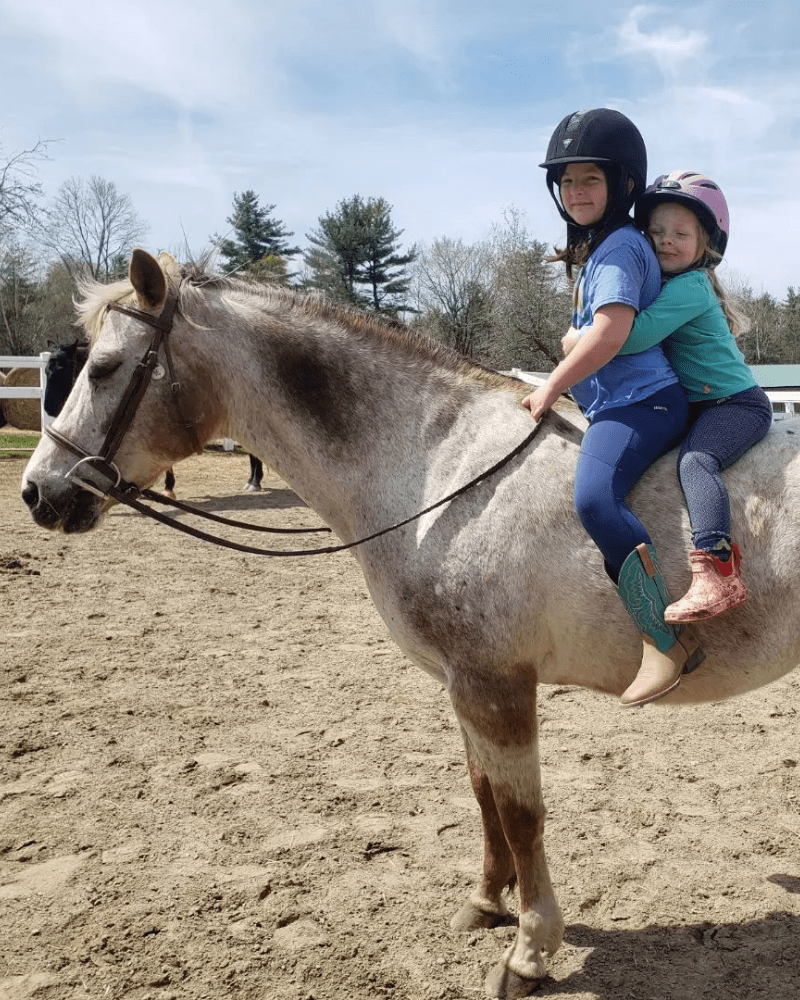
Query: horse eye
{"type": "Point", "coordinates": [103, 367]}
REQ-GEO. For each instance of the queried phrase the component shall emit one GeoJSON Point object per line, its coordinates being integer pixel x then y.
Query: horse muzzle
{"type": "Point", "coordinates": [62, 505]}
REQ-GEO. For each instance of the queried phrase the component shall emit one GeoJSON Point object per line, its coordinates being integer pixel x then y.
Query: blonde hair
{"type": "Point", "coordinates": [738, 322]}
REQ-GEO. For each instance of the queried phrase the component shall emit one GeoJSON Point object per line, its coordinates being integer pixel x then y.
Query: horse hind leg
{"type": "Point", "coordinates": [502, 738]}
{"type": "Point", "coordinates": [169, 483]}
{"type": "Point", "coordinates": [256, 474]}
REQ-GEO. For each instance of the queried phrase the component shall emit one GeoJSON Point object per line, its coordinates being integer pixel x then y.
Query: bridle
{"type": "Point", "coordinates": [128, 493]}
{"type": "Point", "coordinates": [103, 461]}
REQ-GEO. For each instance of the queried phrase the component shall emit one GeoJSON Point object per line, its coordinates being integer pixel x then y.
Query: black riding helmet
{"type": "Point", "coordinates": [615, 144]}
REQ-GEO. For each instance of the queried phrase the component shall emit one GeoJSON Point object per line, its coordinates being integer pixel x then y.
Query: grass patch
{"type": "Point", "coordinates": [13, 445]}
{"type": "Point", "coordinates": [21, 444]}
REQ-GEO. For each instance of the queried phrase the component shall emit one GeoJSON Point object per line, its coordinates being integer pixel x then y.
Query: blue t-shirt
{"type": "Point", "coordinates": [623, 269]}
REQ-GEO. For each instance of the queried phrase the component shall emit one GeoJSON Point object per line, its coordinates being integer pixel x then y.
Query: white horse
{"type": "Point", "coordinates": [493, 593]}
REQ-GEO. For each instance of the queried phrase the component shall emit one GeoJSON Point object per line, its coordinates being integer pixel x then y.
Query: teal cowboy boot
{"type": "Point", "coordinates": [668, 650]}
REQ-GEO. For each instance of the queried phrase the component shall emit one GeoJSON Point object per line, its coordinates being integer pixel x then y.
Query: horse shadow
{"type": "Point", "coordinates": [267, 499]}
{"type": "Point", "coordinates": [715, 961]}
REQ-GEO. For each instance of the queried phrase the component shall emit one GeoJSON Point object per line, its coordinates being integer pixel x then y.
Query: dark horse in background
{"type": "Point", "coordinates": [63, 368]}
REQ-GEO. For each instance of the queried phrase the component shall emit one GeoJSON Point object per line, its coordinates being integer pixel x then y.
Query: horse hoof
{"type": "Point", "coordinates": [169, 493]}
{"type": "Point", "coordinates": [471, 918]}
{"type": "Point", "coordinates": [503, 984]}
{"type": "Point", "coordinates": [252, 488]}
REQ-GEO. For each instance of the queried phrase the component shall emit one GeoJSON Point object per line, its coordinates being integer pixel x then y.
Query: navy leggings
{"type": "Point", "coordinates": [722, 430]}
{"type": "Point", "coordinates": [619, 446]}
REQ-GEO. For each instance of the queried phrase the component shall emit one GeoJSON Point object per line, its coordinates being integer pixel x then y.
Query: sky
{"type": "Point", "coordinates": [443, 108]}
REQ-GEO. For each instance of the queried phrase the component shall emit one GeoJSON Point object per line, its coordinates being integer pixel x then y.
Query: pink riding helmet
{"type": "Point", "coordinates": [698, 193]}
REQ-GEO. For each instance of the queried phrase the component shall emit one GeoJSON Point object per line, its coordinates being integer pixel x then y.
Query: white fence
{"type": "Point", "coordinates": [785, 402]}
{"type": "Point", "coordinates": [37, 391]}
{"type": "Point", "coordinates": [27, 391]}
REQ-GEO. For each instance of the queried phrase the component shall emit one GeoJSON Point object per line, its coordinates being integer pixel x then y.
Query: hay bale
{"type": "Point", "coordinates": [25, 414]}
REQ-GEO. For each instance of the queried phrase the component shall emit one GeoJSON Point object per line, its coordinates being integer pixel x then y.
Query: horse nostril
{"type": "Point", "coordinates": [30, 494]}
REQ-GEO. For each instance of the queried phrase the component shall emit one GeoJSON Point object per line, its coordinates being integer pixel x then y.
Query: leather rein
{"type": "Point", "coordinates": [128, 493]}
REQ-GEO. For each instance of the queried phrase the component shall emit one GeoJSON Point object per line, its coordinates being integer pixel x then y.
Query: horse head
{"type": "Point", "coordinates": [135, 408]}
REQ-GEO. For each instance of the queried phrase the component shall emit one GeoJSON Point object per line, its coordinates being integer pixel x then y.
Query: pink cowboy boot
{"type": "Point", "coordinates": [716, 586]}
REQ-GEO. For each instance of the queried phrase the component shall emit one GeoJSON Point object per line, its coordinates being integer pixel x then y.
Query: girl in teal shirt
{"type": "Point", "coordinates": [686, 218]}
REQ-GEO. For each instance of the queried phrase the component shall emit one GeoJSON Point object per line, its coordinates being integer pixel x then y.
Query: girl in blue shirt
{"type": "Point", "coordinates": [596, 166]}
{"type": "Point", "coordinates": [686, 217]}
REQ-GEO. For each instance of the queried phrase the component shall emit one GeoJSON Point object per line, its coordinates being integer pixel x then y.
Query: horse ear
{"type": "Point", "coordinates": [147, 279]}
{"type": "Point", "coordinates": [170, 267]}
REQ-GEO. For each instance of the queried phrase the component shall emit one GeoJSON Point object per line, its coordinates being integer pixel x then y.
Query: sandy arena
{"type": "Point", "coordinates": [220, 780]}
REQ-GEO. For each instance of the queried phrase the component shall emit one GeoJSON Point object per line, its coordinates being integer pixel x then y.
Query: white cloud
{"type": "Point", "coordinates": [190, 56]}
{"type": "Point", "coordinates": [671, 46]}
{"type": "Point", "coordinates": [414, 27]}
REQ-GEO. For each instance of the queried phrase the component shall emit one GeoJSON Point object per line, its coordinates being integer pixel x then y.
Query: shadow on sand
{"type": "Point", "coordinates": [736, 961]}
{"type": "Point", "coordinates": [267, 499]}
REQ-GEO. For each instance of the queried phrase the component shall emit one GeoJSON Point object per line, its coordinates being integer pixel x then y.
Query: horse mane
{"type": "Point", "coordinates": [392, 335]}
{"type": "Point", "coordinates": [93, 300]}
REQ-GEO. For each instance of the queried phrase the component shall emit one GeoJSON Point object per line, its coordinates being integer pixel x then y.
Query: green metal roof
{"type": "Point", "coordinates": [777, 376]}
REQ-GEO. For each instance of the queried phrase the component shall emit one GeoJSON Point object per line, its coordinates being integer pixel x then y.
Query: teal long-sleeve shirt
{"type": "Point", "coordinates": [696, 337]}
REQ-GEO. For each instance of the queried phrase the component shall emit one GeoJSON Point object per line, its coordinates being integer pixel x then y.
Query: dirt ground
{"type": "Point", "coordinates": [220, 779]}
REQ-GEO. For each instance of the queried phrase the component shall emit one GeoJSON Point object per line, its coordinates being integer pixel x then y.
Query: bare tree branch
{"type": "Point", "coordinates": [91, 227]}
{"type": "Point", "coordinates": [19, 190]}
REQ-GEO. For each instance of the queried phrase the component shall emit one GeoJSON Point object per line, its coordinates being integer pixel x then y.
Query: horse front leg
{"type": "Point", "coordinates": [485, 907]}
{"type": "Point", "coordinates": [499, 718]}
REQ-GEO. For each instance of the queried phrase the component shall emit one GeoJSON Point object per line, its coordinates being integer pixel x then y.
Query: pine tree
{"type": "Point", "coordinates": [337, 252]}
{"type": "Point", "coordinates": [384, 268]}
{"type": "Point", "coordinates": [256, 235]}
{"type": "Point", "coordinates": [354, 256]}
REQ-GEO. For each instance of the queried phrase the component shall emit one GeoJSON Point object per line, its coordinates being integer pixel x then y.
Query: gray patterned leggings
{"type": "Point", "coordinates": [722, 430]}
